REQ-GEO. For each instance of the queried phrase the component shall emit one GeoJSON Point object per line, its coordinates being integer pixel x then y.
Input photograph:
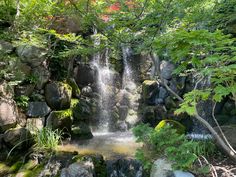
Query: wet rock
{"type": "Point", "coordinates": [82, 110]}
{"type": "Point", "coordinates": [38, 109]}
{"type": "Point", "coordinates": [121, 126]}
{"type": "Point", "coordinates": [14, 136]}
{"type": "Point", "coordinates": [61, 120]}
{"type": "Point", "coordinates": [43, 75]}
{"type": "Point", "coordinates": [78, 170]}
{"type": "Point", "coordinates": [123, 112]}
{"type": "Point", "coordinates": [31, 55]}
{"type": "Point", "coordinates": [58, 95]}
{"type": "Point", "coordinates": [87, 91]}
{"type": "Point", "coordinates": [85, 74]}
{"type": "Point", "coordinates": [125, 168]}
{"type": "Point", "coordinates": [34, 124]}
{"type": "Point", "coordinates": [82, 131]}
{"type": "Point", "coordinates": [6, 47]}
{"type": "Point", "coordinates": [8, 114]}
{"type": "Point", "coordinates": [166, 69]}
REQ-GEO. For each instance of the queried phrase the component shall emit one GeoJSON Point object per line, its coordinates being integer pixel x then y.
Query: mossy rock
{"type": "Point", "coordinates": [81, 110]}
{"type": "Point", "coordinates": [16, 166]}
{"type": "Point", "coordinates": [81, 131]}
{"type": "Point", "coordinates": [61, 120]}
{"type": "Point", "coordinates": [58, 95]}
{"type": "Point", "coordinates": [174, 124]}
{"type": "Point", "coordinates": [75, 89]}
{"type": "Point", "coordinates": [4, 169]}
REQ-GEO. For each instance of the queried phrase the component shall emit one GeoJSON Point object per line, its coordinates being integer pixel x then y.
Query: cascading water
{"type": "Point", "coordinates": [105, 85]}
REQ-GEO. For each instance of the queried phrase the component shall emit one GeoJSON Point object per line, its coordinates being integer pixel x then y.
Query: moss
{"type": "Point", "coordinates": [176, 125]}
{"type": "Point", "coordinates": [73, 103]}
{"type": "Point", "coordinates": [4, 169]}
{"type": "Point", "coordinates": [75, 89]}
{"type": "Point", "coordinates": [63, 113]}
{"type": "Point", "coordinates": [16, 166]}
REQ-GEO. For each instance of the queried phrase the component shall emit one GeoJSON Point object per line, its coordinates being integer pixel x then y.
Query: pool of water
{"type": "Point", "coordinates": [109, 144]}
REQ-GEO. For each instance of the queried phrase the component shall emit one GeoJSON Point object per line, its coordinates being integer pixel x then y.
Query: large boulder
{"type": "Point", "coordinates": [85, 74]}
{"type": "Point", "coordinates": [82, 131]}
{"type": "Point", "coordinates": [78, 170]}
{"type": "Point", "coordinates": [8, 114]}
{"type": "Point", "coordinates": [6, 47]}
{"type": "Point", "coordinates": [61, 120]}
{"type": "Point", "coordinates": [58, 95]}
{"type": "Point", "coordinates": [38, 109]}
{"type": "Point", "coordinates": [18, 137]}
{"type": "Point", "coordinates": [32, 55]}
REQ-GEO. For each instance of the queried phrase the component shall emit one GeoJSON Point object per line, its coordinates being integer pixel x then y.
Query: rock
{"type": "Point", "coordinates": [6, 91]}
{"type": "Point", "coordinates": [163, 93]}
{"type": "Point", "coordinates": [34, 124]}
{"type": "Point", "coordinates": [153, 114]}
{"type": "Point", "coordinates": [161, 168]}
{"type": "Point", "coordinates": [166, 69]}
{"type": "Point", "coordinates": [78, 170]}
{"type": "Point", "coordinates": [123, 112]}
{"type": "Point", "coordinates": [6, 47]}
{"type": "Point", "coordinates": [85, 74]}
{"type": "Point", "coordinates": [229, 132]}
{"type": "Point", "coordinates": [43, 75]}
{"type": "Point", "coordinates": [14, 136]}
{"type": "Point", "coordinates": [82, 110]}
{"type": "Point", "coordinates": [26, 90]}
{"type": "Point", "coordinates": [31, 55]}
{"type": "Point", "coordinates": [75, 88]}
{"type": "Point", "coordinates": [38, 109]}
{"type": "Point", "coordinates": [170, 103]}
{"type": "Point", "coordinates": [125, 168]}
{"type": "Point", "coordinates": [58, 95]}
{"type": "Point", "coordinates": [82, 131]}
{"type": "Point", "coordinates": [87, 91]}
{"type": "Point", "coordinates": [61, 120]}
{"type": "Point", "coordinates": [150, 89]}
{"type": "Point", "coordinates": [121, 126]}
{"type": "Point", "coordinates": [179, 173]}
{"type": "Point", "coordinates": [8, 114]}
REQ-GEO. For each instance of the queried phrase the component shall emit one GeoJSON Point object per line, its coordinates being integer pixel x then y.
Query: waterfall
{"type": "Point", "coordinates": [129, 88]}
{"type": "Point", "coordinates": [105, 77]}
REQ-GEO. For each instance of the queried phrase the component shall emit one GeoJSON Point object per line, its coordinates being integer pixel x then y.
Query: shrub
{"type": "Point", "coordinates": [166, 143]}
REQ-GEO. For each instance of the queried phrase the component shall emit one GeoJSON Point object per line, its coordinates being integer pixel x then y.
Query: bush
{"type": "Point", "coordinates": [166, 143]}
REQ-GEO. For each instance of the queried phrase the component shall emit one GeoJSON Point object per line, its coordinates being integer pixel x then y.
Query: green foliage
{"type": "Point", "coordinates": [164, 143]}
{"type": "Point", "coordinates": [22, 101]}
{"type": "Point", "coordinates": [47, 139]}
